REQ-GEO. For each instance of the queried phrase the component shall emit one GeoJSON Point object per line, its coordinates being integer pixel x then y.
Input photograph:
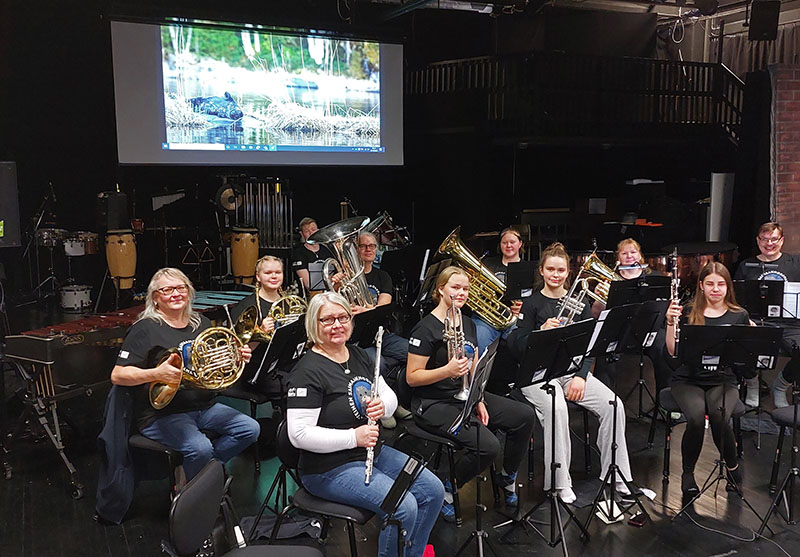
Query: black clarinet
{"type": "Point", "coordinates": [675, 285]}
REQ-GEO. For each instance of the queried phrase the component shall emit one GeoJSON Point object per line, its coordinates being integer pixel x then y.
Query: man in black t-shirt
{"type": "Point", "coordinates": [772, 264]}
{"type": "Point", "coordinates": [307, 253]}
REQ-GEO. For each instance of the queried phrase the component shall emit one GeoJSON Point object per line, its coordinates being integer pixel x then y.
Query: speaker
{"type": "Point", "coordinates": [764, 20]}
{"type": "Point", "coordinates": [9, 206]}
{"type": "Point", "coordinates": [112, 211]}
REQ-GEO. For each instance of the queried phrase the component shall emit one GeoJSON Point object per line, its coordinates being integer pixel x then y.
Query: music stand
{"type": "Point", "coordinates": [519, 281]}
{"type": "Point", "coordinates": [551, 354]}
{"type": "Point", "coordinates": [316, 280]}
{"type": "Point", "coordinates": [720, 347]}
{"type": "Point", "coordinates": [429, 283]}
{"type": "Point", "coordinates": [641, 289]}
{"type": "Point", "coordinates": [366, 323]}
{"type": "Point", "coordinates": [479, 379]}
{"type": "Point", "coordinates": [762, 299]}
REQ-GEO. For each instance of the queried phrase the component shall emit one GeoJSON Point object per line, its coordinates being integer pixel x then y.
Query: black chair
{"type": "Point", "coordinates": [195, 511]}
{"type": "Point", "coordinates": [784, 417]}
{"type": "Point", "coordinates": [157, 461]}
{"type": "Point", "coordinates": [668, 405]}
{"type": "Point", "coordinates": [311, 504]}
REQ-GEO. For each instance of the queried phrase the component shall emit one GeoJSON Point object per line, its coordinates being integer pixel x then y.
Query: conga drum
{"type": "Point", "coordinates": [244, 254]}
{"type": "Point", "coordinates": [121, 257]}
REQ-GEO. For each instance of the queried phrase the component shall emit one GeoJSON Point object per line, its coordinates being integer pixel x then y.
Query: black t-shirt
{"type": "Point", "coordinates": [379, 283]}
{"type": "Point", "coordinates": [302, 256]}
{"type": "Point", "coordinates": [426, 340]}
{"type": "Point", "coordinates": [788, 269]}
{"type": "Point", "coordinates": [144, 344]}
{"type": "Point", "coordinates": [709, 375]}
{"type": "Point", "coordinates": [318, 382]}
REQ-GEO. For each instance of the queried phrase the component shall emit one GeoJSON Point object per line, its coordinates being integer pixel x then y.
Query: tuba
{"type": "Point", "coordinates": [485, 289]}
{"type": "Point", "coordinates": [341, 238]}
{"type": "Point", "coordinates": [593, 270]}
{"type": "Point", "coordinates": [213, 361]}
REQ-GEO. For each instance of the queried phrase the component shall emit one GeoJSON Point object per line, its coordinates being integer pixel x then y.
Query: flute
{"type": "Point", "coordinates": [373, 395]}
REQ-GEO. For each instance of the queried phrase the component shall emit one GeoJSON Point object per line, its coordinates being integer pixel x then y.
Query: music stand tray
{"type": "Point", "coordinates": [642, 289]}
{"type": "Point", "coordinates": [366, 323]}
{"type": "Point", "coordinates": [762, 299]}
{"type": "Point", "coordinates": [612, 326]}
{"type": "Point", "coordinates": [519, 281]}
{"type": "Point", "coordinates": [287, 345]}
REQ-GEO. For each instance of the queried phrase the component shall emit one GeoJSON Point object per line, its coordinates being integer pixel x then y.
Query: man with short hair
{"type": "Point", "coordinates": [307, 253]}
{"type": "Point", "coordinates": [772, 264]}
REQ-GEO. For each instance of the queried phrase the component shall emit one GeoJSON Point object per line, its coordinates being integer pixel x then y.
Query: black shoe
{"type": "Point", "coordinates": [688, 485]}
{"type": "Point", "coordinates": [734, 478]}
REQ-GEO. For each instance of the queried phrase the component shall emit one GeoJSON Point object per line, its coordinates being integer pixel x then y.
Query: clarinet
{"type": "Point", "coordinates": [675, 285]}
{"type": "Point", "coordinates": [373, 395]}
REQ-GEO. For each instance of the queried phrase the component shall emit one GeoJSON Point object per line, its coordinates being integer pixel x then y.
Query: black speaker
{"type": "Point", "coordinates": [9, 206]}
{"type": "Point", "coordinates": [764, 20]}
{"type": "Point", "coordinates": [112, 211]}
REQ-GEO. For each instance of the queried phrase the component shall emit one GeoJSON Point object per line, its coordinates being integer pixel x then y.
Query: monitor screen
{"type": "Point", "coordinates": [205, 95]}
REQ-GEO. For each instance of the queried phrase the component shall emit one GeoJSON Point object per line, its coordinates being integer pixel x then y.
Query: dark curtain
{"type": "Point", "coordinates": [742, 55]}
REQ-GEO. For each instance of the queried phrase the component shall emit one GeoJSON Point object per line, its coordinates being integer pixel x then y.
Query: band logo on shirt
{"type": "Point", "coordinates": [357, 395]}
{"type": "Point", "coordinates": [773, 275]}
{"type": "Point", "coordinates": [297, 392]}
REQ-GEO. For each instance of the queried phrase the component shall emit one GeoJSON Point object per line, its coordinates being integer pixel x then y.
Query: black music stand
{"type": "Point", "coordinates": [479, 379]}
{"type": "Point", "coordinates": [551, 354]}
{"type": "Point", "coordinates": [653, 293]}
{"type": "Point", "coordinates": [429, 284]}
{"type": "Point", "coordinates": [411, 470]}
{"type": "Point", "coordinates": [763, 299]}
{"type": "Point", "coordinates": [287, 345]}
{"type": "Point", "coordinates": [366, 323]}
{"type": "Point", "coordinates": [519, 281]}
{"type": "Point", "coordinates": [737, 347]}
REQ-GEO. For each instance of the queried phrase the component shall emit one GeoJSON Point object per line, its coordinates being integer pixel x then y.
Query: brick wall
{"type": "Point", "coordinates": [785, 202]}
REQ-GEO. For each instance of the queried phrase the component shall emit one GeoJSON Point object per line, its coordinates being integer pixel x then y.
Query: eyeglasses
{"type": "Point", "coordinates": [771, 240]}
{"type": "Point", "coordinates": [368, 246]}
{"type": "Point", "coordinates": [170, 290]}
{"type": "Point", "coordinates": [342, 319]}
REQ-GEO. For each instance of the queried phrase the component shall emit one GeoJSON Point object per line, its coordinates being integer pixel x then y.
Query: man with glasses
{"type": "Point", "coordinates": [772, 264]}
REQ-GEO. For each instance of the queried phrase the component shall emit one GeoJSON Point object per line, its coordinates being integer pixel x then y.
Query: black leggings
{"type": "Point", "coordinates": [696, 401]}
{"type": "Point", "coordinates": [516, 419]}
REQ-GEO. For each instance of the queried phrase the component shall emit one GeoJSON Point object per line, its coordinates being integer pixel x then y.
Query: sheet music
{"type": "Point", "coordinates": [596, 331]}
{"type": "Point", "coordinates": [791, 300]}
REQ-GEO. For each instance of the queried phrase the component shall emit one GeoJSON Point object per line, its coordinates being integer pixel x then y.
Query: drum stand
{"type": "Point", "coordinates": [51, 278]}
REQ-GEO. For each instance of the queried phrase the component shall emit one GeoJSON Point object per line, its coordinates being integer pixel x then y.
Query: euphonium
{"type": "Point", "coordinates": [341, 238]}
{"type": "Point", "coordinates": [485, 289]}
{"type": "Point", "coordinates": [213, 361]}
{"type": "Point", "coordinates": [592, 270]}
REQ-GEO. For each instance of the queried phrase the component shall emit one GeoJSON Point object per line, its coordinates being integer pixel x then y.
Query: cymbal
{"type": "Point", "coordinates": [228, 198]}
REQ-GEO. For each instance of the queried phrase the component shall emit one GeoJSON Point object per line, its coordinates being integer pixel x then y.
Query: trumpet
{"type": "Point", "coordinates": [594, 270]}
{"type": "Point", "coordinates": [453, 335]}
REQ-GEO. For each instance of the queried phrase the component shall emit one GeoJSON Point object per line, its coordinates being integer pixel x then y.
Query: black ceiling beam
{"type": "Point", "coordinates": [409, 6]}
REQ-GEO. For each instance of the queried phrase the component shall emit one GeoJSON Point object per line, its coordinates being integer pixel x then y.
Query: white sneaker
{"type": "Point", "coordinates": [622, 488]}
{"type": "Point", "coordinates": [566, 494]}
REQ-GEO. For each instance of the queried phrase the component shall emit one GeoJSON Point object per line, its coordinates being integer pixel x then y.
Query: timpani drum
{"type": "Point", "coordinates": [657, 263]}
{"type": "Point", "coordinates": [121, 257]}
{"type": "Point", "coordinates": [693, 256]}
{"type": "Point", "coordinates": [244, 254]}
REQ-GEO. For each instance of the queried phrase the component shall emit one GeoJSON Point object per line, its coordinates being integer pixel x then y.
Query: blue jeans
{"type": "Point", "coordinates": [417, 512]}
{"type": "Point", "coordinates": [488, 334]}
{"type": "Point", "coordinates": [182, 432]}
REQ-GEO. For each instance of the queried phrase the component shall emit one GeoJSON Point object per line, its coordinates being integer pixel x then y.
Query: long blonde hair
{"type": "Point", "coordinates": [151, 307]}
{"type": "Point", "coordinates": [699, 303]}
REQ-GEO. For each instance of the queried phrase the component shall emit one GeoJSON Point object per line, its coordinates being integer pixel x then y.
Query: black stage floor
{"type": "Point", "coordinates": [38, 517]}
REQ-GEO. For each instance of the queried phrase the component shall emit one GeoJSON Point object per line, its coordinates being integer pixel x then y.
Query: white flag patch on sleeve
{"type": "Point", "coordinates": [414, 341]}
{"type": "Point", "coordinates": [124, 354]}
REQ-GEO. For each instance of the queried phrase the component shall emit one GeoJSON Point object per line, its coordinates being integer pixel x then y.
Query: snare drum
{"type": "Point", "coordinates": [91, 242]}
{"type": "Point", "coordinates": [244, 254]}
{"type": "Point", "coordinates": [121, 257]}
{"type": "Point", "coordinates": [50, 237]}
{"type": "Point", "coordinates": [76, 298]}
{"type": "Point", "coordinates": [74, 246]}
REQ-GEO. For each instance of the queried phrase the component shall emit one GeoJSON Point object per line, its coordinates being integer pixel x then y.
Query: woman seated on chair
{"type": "Point", "coordinates": [699, 391]}
{"type": "Point", "coordinates": [539, 312]}
{"type": "Point", "coordinates": [328, 406]}
{"type": "Point", "coordinates": [167, 321]}
{"type": "Point", "coordinates": [436, 380]}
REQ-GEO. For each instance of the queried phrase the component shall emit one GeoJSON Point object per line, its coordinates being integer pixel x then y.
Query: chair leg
{"type": "Point", "coordinates": [776, 464]}
{"type": "Point", "coordinates": [276, 528]}
{"type": "Point", "coordinates": [451, 462]}
{"type": "Point", "coordinates": [495, 487]}
{"type": "Point", "coordinates": [667, 440]}
{"type": "Point", "coordinates": [351, 534]}
{"type": "Point", "coordinates": [587, 447]}
{"type": "Point", "coordinates": [437, 459]}
{"type": "Point", "coordinates": [652, 433]}
{"type": "Point", "coordinates": [256, 447]}
{"type": "Point", "coordinates": [737, 431]}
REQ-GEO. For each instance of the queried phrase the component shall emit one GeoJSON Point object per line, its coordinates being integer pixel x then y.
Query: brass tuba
{"type": "Point", "coordinates": [592, 274]}
{"type": "Point", "coordinates": [213, 361]}
{"type": "Point", "coordinates": [341, 238]}
{"type": "Point", "coordinates": [485, 289]}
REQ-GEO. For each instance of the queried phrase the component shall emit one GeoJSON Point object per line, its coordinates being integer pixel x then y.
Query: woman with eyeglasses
{"type": "Point", "coordinates": [328, 408]}
{"type": "Point", "coordinates": [436, 379]}
{"type": "Point", "coordinates": [167, 321]}
{"type": "Point", "coordinates": [772, 264]}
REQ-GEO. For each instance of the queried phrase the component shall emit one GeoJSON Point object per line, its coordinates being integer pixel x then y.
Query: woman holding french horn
{"type": "Point", "coordinates": [169, 321]}
{"type": "Point", "coordinates": [329, 405]}
{"type": "Point", "coordinates": [436, 379]}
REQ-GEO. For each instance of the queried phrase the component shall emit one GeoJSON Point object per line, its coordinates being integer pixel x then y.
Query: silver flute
{"type": "Point", "coordinates": [373, 395]}
{"type": "Point", "coordinates": [675, 285]}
